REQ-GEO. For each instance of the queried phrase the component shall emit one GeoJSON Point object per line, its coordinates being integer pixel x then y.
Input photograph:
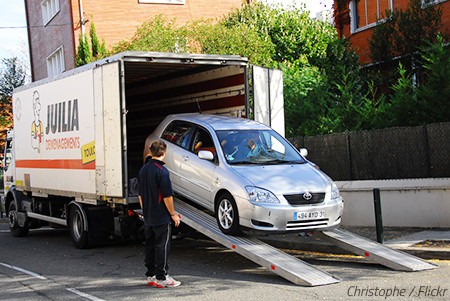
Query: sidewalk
{"type": "Point", "coordinates": [424, 243]}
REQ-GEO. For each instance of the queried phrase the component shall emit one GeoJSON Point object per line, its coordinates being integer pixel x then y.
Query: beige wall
{"type": "Point", "coordinates": [404, 203]}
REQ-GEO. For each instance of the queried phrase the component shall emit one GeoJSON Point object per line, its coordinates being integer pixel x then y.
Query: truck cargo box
{"type": "Point", "coordinates": [81, 134]}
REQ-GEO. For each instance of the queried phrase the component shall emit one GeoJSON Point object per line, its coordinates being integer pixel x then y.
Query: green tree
{"type": "Point", "coordinates": [434, 89]}
{"type": "Point", "coordinates": [404, 102]}
{"type": "Point", "coordinates": [84, 55]}
{"type": "Point", "coordinates": [296, 37]}
{"type": "Point", "coordinates": [404, 32]}
{"type": "Point", "coordinates": [98, 50]}
{"type": "Point", "coordinates": [305, 101]}
{"type": "Point", "coordinates": [399, 36]}
{"type": "Point", "coordinates": [163, 35]}
{"type": "Point", "coordinates": [156, 34]}
{"type": "Point", "coordinates": [12, 75]}
{"type": "Point", "coordinates": [322, 82]}
{"type": "Point", "coordinates": [241, 40]}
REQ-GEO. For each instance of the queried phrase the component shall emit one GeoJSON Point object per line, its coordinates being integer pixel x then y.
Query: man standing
{"type": "Point", "coordinates": [156, 198]}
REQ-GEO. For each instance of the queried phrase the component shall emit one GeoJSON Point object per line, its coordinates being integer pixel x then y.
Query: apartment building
{"type": "Point", "coordinates": [355, 19]}
{"type": "Point", "coordinates": [54, 25]}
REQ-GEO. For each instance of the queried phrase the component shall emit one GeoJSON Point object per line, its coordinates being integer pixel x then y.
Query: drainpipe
{"type": "Point", "coordinates": [80, 5]}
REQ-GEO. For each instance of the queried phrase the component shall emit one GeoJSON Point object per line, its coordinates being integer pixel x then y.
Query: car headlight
{"type": "Point", "coordinates": [260, 195]}
{"type": "Point", "coordinates": [335, 194]}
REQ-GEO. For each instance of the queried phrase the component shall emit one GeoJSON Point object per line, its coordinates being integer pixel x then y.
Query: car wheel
{"type": "Point", "coordinates": [14, 227]}
{"type": "Point", "coordinates": [227, 215]}
{"type": "Point", "coordinates": [76, 227]}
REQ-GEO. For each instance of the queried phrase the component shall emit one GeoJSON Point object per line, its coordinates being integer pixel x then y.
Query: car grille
{"type": "Point", "coordinates": [307, 225]}
{"type": "Point", "coordinates": [298, 199]}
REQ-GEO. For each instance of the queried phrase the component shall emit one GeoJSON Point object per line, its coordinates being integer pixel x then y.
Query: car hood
{"type": "Point", "coordinates": [285, 179]}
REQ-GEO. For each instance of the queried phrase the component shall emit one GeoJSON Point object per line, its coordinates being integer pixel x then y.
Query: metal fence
{"type": "Point", "coordinates": [393, 153]}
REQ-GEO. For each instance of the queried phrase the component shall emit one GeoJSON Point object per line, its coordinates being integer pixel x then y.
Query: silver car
{"type": "Point", "coordinates": [247, 174]}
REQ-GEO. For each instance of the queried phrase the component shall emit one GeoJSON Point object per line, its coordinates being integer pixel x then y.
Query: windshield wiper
{"type": "Point", "coordinates": [277, 161]}
{"type": "Point", "coordinates": [245, 162]}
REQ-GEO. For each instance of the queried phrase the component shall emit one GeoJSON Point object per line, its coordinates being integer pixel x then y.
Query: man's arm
{"type": "Point", "coordinates": [169, 205]}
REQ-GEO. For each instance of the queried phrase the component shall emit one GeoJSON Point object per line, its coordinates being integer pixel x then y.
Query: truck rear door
{"type": "Point", "coordinates": [268, 101]}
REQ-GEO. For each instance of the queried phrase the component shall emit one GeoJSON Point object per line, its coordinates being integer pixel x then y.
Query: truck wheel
{"type": "Point", "coordinates": [77, 223]}
{"type": "Point", "coordinates": [14, 227]}
{"type": "Point", "coordinates": [227, 215]}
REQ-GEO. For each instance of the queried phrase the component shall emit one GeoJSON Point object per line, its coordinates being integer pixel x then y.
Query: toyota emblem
{"type": "Point", "coordinates": [307, 196]}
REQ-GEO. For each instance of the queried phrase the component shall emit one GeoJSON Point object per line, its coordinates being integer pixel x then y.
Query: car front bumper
{"type": "Point", "coordinates": [284, 217]}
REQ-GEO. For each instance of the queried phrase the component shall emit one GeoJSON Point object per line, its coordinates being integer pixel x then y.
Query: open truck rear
{"type": "Point", "coordinates": [78, 137]}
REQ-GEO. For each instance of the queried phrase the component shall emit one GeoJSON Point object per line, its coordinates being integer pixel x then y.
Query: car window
{"type": "Point", "coordinates": [178, 132]}
{"type": "Point", "coordinates": [257, 147]}
{"type": "Point", "coordinates": [202, 141]}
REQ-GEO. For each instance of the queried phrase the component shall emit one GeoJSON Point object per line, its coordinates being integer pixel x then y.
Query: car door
{"type": "Point", "coordinates": [179, 135]}
{"type": "Point", "coordinates": [197, 175]}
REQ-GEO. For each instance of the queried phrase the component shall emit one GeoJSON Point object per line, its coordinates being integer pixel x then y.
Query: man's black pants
{"type": "Point", "coordinates": [157, 248]}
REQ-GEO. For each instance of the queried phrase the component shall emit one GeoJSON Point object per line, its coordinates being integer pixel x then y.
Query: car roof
{"type": "Point", "coordinates": [220, 122]}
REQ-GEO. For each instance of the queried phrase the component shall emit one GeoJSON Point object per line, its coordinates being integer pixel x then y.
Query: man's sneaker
{"type": "Point", "coordinates": [169, 282]}
{"type": "Point", "coordinates": [151, 281]}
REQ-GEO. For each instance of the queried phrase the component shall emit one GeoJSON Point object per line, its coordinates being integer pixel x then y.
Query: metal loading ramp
{"type": "Point", "coordinates": [285, 265]}
{"type": "Point", "coordinates": [374, 251]}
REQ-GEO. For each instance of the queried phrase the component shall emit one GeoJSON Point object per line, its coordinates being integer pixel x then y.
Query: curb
{"type": "Point", "coordinates": [428, 253]}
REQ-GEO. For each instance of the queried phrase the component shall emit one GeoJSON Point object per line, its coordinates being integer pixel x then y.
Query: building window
{"type": "Point", "coordinates": [55, 62]}
{"type": "Point", "coordinates": [163, 1]}
{"type": "Point", "coordinates": [49, 9]}
{"type": "Point", "coordinates": [426, 3]}
{"type": "Point", "coordinates": [365, 13]}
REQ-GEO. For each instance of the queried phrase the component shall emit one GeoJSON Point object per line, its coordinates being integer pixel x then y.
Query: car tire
{"type": "Point", "coordinates": [77, 223]}
{"type": "Point", "coordinates": [227, 215]}
{"type": "Point", "coordinates": [16, 230]}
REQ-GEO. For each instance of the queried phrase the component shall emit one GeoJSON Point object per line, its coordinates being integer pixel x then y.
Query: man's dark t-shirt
{"type": "Point", "coordinates": [154, 186]}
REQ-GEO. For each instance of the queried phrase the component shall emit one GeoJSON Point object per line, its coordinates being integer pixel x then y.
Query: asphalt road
{"type": "Point", "coordinates": [45, 266]}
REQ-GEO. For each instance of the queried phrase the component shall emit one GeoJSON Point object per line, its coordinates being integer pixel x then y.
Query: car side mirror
{"type": "Point", "coordinates": [304, 152]}
{"type": "Point", "coordinates": [206, 155]}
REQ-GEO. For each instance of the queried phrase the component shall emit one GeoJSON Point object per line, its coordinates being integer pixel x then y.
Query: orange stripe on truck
{"type": "Point", "coordinates": [55, 164]}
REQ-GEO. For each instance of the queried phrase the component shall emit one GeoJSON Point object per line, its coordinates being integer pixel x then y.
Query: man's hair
{"type": "Point", "coordinates": [158, 148]}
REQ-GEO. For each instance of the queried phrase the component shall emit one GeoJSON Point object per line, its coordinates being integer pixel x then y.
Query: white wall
{"type": "Point", "coordinates": [404, 203]}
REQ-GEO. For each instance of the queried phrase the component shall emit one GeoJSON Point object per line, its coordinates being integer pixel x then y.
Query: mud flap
{"type": "Point", "coordinates": [100, 225]}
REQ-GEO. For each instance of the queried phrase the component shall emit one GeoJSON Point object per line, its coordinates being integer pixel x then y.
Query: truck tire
{"type": "Point", "coordinates": [77, 224]}
{"type": "Point", "coordinates": [227, 215]}
{"type": "Point", "coordinates": [14, 227]}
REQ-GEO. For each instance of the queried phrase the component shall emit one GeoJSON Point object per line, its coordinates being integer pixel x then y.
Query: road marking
{"type": "Point", "coordinates": [84, 295]}
{"type": "Point", "coordinates": [72, 290]}
{"type": "Point", "coordinates": [23, 271]}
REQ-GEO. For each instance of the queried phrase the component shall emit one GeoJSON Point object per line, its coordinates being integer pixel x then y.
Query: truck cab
{"type": "Point", "coordinates": [7, 168]}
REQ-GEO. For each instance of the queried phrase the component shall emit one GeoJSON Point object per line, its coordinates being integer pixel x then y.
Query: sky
{"type": "Point", "coordinates": [13, 34]}
{"type": "Point", "coordinates": [12, 39]}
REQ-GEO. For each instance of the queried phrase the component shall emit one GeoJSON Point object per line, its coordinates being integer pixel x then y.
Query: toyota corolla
{"type": "Point", "coordinates": [247, 174]}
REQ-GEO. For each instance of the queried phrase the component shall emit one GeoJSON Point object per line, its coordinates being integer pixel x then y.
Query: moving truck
{"type": "Point", "coordinates": [73, 157]}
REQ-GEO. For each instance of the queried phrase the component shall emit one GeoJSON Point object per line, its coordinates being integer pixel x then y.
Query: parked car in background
{"type": "Point", "coordinates": [247, 174]}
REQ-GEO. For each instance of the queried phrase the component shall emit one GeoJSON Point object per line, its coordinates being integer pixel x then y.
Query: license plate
{"type": "Point", "coordinates": [298, 216]}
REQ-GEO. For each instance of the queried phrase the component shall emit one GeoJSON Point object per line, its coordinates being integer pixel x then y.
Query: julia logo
{"type": "Point", "coordinates": [37, 129]}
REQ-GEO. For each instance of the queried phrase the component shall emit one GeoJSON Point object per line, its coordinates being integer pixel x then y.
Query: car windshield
{"type": "Point", "coordinates": [257, 147]}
